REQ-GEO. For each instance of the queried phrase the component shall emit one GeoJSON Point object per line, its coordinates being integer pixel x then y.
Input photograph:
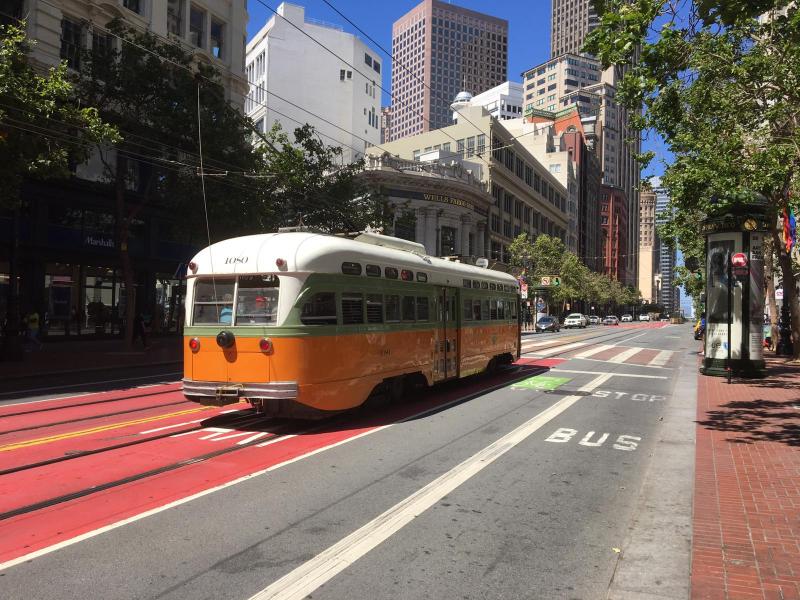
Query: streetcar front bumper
{"type": "Point", "coordinates": [222, 392]}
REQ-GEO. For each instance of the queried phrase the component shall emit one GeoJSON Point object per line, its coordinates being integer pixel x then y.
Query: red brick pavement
{"type": "Point", "coordinates": [746, 522]}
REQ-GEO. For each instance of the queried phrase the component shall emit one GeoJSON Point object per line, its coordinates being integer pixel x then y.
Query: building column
{"type": "Point", "coordinates": [480, 240]}
{"type": "Point", "coordinates": [465, 228]}
{"type": "Point", "coordinates": [430, 231]}
{"type": "Point", "coordinates": [419, 232]}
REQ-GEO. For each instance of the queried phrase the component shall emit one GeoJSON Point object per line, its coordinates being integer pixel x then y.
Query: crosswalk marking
{"type": "Point", "coordinates": [625, 355]}
{"type": "Point", "coordinates": [593, 351]}
{"type": "Point", "coordinates": [660, 359]}
{"type": "Point", "coordinates": [559, 349]}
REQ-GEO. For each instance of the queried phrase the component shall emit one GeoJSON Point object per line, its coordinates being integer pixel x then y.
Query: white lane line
{"type": "Point", "coordinates": [308, 577]}
{"type": "Point", "coordinates": [632, 364]}
{"type": "Point", "coordinates": [660, 359]}
{"type": "Point", "coordinates": [90, 534]}
{"type": "Point", "coordinates": [558, 349]}
{"type": "Point", "coordinates": [540, 344]}
{"type": "Point", "coordinates": [593, 351]}
{"type": "Point", "coordinates": [625, 355]}
{"type": "Point", "coordinates": [612, 374]}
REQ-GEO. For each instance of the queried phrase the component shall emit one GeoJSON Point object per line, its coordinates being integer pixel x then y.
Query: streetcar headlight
{"type": "Point", "coordinates": [194, 344]}
{"type": "Point", "coordinates": [265, 344]}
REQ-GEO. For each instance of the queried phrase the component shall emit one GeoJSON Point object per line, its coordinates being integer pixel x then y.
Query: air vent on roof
{"type": "Point", "coordinates": [386, 241]}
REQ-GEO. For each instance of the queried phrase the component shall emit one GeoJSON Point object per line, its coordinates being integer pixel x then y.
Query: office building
{"type": "Point", "coordinates": [386, 123]}
{"type": "Point", "coordinates": [614, 222]}
{"type": "Point", "coordinates": [293, 81]}
{"type": "Point", "coordinates": [526, 196]}
{"type": "Point", "coordinates": [69, 261]}
{"type": "Point", "coordinates": [441, 49]}
{"type": "Point", "coordinates": [669, 293]}
{"type": "Point", "coordinates": [649, 245]}
{"type": "Point", "coordinates": [503, 101]}
{"type": "Point", "coordinates": [572, 21]}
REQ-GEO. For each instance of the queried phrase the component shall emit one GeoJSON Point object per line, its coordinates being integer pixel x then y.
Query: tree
{"type": "Point", "coordinates": [307, 184]}
{"type": "Point", "coordinates": [723, 89]}
{"type": "Point", "coordinates": [42, 132]}
{"type": "Point", "coordinates": [152, 92]}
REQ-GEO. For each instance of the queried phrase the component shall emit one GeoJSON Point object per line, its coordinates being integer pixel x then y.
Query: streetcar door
{"type": "Point", "coordinates": [446, 335]}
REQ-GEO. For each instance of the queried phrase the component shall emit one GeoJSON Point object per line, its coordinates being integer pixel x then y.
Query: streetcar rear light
{"type": "Point", "coordinates": [265, 344]}
{"type": "Point", "coordinates": [280, 263]}
{"type": "Point", "coordinates": [194, 344]}
{"type": "Point", "coordinates": [193, 267]}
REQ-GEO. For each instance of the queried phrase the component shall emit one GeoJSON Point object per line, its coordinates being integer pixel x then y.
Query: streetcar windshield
{"type": "Point", "coordinates": [256, 301]}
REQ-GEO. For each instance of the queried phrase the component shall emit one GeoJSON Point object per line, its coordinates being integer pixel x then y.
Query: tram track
{"type": "Point", "coordinates": [146, 391]}
{"type": "Point", "coordinates": [237, 420]}
{"type": "Point", "coordinates": [275, 436]}
{"type": "Point", "coordinates": [565, 341]}
{"type": "Point", "coordinates": [94, 417]}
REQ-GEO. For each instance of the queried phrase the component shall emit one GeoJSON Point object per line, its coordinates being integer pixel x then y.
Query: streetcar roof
{"type": "Point", "coordinates": [305, 252]}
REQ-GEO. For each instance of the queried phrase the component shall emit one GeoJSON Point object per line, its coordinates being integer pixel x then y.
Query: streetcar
{"type": "Point", "coordinates": [303, 324]}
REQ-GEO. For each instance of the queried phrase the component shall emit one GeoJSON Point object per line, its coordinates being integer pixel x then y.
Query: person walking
{"type": "Point", "coordinates": [139, 330]}
{"type": "Point", "coordinates": [32, 322]}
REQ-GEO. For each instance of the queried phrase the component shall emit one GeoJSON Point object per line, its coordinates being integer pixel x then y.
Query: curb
{"type": "Point", "coordinates": [10, 378]}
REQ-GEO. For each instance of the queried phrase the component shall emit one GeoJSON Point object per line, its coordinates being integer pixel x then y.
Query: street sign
{"type": "Point", "coordinates": [551, 281]}
{"type": "Point", "coordinates": [739, 259]}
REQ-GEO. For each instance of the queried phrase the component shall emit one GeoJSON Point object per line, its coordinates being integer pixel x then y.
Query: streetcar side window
{"type": "Point", "coordinates": [213, 302]}
{"type": "Point", "coordinates": [390, 273]}
{"type": "Point", "coordinates": [408, 308]}
{"type": "Point", "coordinates": [422, 277]}
{"type": "Point", "coordinates": [501, 309]}
{"type": "Point", "coordinates": [392, 308]}
{"type": "Point", "coordinates": [351, 268]}
{"type": "Point", "coordinates": [467, 308]}
{"type": "Point", "coordinates": [373, 271]}
{"type": "Point", "coordinates": [484, 310]}
{"type": "Point", "coordinates": [513, 309]}
{"type": "Point", "coordinates": [374, 308]}
{"type": "Point", "coordinates": [493, 309]}
{"type": "Point", "coordinates": [257, 300]}
{"type": "Point", "coordinates": [476, 310]}
{"type": "Point", "coordinates": [352, 308]}
{"type": "Point", "coordinates": [320, 309]}
{"type": "Point", "coordinates": [422, 309]}
{"type": "Point", "coordinates": [467, 283]}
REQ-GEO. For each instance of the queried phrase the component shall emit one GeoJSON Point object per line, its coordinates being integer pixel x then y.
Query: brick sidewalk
{"type": "Point", "coordinates": [746, 521]}
{"type": "Point", "coordinates": [90, 355]}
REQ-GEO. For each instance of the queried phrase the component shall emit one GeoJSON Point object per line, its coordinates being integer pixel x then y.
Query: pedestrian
{"type": "Point", "coordinates": [139, 330]}
{"type": "Point", "coordinates": [528, 319]}
{"type": "Point", "coordinates": [32, 322]}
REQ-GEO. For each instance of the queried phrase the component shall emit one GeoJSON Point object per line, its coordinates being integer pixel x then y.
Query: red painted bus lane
{"type": "Point", "coordinates": [96, 512]}
{"type": "Point", "coordinates": [30, 451]}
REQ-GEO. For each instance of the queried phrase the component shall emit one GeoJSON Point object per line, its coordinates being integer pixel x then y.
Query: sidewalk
{"type": "Point", "coordinates": [57, 358]}
{"type": "Point", "coordinates": [746, 521]}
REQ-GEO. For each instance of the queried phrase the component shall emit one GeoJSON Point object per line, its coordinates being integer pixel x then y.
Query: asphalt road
{"type": "Point", "coordinates": [517, 493]}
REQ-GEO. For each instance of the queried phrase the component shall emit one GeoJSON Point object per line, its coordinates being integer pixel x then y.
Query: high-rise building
{"type": "Point", "coordinates": [572, 21]}
{"type": "Point", "coordinates": [294, 81]}
{"type": "Point", "coordinates": [441, 49]}
{"type": "Point", "coordinates": [648, 246]}
{"type": "Point", "coordinates": [669, 294]}
{"type": "Point", "coordinates": [386, 123]}
{"type": "Point", "coordinates": [572, 77]}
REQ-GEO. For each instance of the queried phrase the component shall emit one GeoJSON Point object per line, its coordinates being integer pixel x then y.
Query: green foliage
{"type": "Point", "coordinates": [41, 129]}
{"type": "Point", "coordinates": [308, 184]}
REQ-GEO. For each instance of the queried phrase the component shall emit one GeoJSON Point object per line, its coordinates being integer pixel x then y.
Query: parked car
{"type": "Point", "coordinates": [547, 323]}
{"type": "Point", "coordinates": [611, 320]}
{"type": "Point", "coordinates": [595, 320]}
{"type": "Point", "coordinates": [665, 319]}
{"type": "Point", "coordinates": [575, 320]}
{"type": "Point", "coordinates": [627, 318]}
{"type": "Point", "coordinates": [644, 317]}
